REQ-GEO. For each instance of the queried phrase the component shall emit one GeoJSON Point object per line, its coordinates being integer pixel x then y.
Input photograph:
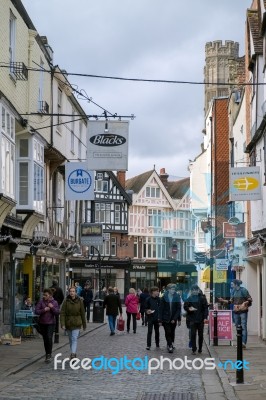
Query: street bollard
{"type": "Point", "coordinates": [215, 328]}
{"type": "Point", "coordinates": [239, 370]}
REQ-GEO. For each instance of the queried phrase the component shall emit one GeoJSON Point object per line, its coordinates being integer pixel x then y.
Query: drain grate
{"type": "Point", "coordinates": [169, 396]}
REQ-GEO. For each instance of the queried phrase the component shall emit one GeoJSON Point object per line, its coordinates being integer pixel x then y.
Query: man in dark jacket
{"type": "Point", "coordinates": [87, 296]}
{"type": "Point", "coordinates": [196, 307]}
{"type": "Point", "coordinates": [112, 304]}
{"type": "Point", "coordinates": [152, 311]}
{"type": "Point", "coordinates": [170, 314]}
{"type": "Point", "coordinates": [58, 295]}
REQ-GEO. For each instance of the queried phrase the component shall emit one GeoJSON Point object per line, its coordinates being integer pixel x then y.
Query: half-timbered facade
{"type": "Point", "coordinates": [162, 229]}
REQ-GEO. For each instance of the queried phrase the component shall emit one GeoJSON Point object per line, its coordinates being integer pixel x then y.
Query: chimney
{"type": "Point", "coordinates": [121, 176]}
{"type": "Point", "coordinates": [164, 176]}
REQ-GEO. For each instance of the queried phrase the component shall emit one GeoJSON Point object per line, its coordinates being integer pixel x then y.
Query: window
{"type": "Point", "coordinates": [59, 110]}
{"type": "Point", "coordinates": [41, 83]}
{"type": "Point", "coordinates": [154, 248]}
{"type": "Point", "coordinates": [103, 212]}
{"type": "Point", "coordinates": [113, 246]}
{"type": "Point", "coordinates": [153, 192]}
{"type": "Point", "coordinates": [72, 141]}
{"type": "Point", "coordinates": [23, 183]}
{"type": "Point", "coordinates": [7, 143]}
{"type": "Point", "coordinates": [117, 213]}
{"type": "Point", "coordinates": [155, 218]}
{"type": "Point", "coordinates": [101, 186]}
{"type": "Point", "coordinates": [12, 41]}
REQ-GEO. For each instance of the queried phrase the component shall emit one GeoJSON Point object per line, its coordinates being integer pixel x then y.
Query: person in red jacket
{"type": "Point", "coordinates": [131, 303]}
{"type": "Point", "coordinates": [47, 309]}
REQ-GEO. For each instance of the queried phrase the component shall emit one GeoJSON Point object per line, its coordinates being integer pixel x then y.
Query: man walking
{"type": "Point", "coordinates": [170, 314]}
{"type": "Point", "coordinates": [152, 312]}
{"type": "Point", "coordinates": [112, 304]}
{"type": "Point", "coordinates": [196, 307]}
{"type": "Point", "coordinates": [58, 295]}
{"type": "Point", "coordinates": [87, 296]}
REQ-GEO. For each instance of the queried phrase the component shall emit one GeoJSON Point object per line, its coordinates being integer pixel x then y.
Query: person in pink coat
{"type": "Point", "coordinates": [131, 303]}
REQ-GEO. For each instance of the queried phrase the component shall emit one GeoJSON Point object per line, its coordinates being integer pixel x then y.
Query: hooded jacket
{"type": "Point", "coordinates": [72, 314]}
{"type": "Point", "coordinates": [170, 311]}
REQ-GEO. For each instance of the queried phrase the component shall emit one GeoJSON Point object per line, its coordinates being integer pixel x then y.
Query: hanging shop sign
{"type": "Point", "coordinates": [79, 182]}
{"type": "Point", "coordinates": [245, 184]}
{"type": "Point", "coordinates": [107, 145]}
{"type": "Point", "coordinates": [233, 231]}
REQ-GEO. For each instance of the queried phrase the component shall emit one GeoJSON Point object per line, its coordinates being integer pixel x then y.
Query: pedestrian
{"type": "Point", "coordinates": [72, 318]}
{"type": "Point", "coordinates": [28, 306]}
{"type": "Point", "coordinates": [131, 303]}
{"type": "Point", "coordinates": [116, 292]}
{"type": "Point", "coordinates": [58, 295]}
{"type": "Point", "coordinates": [112, 304]}
{"type": "Point", "coordinates": [170, 314]}
{"type": "Point", "coordinates": [47, 309]}
{"type": "Point", "coordinates": [152, 311]}
{"type": "Point", "coordinates": [162, 291]}
{"type": "Point", "coordinates": [241, 300]}
{"type": "Point", "coordinates": [196, 307]}
{"type": "Point", "coordinates": [87, 296]}
{"type": "Point", "coordinates": [142, 309]}
{"type": "Point", "coordinates": [78, 288]}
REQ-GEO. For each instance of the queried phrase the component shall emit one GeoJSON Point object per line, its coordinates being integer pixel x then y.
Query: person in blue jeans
{"type": "Point", "coordinates": [112, 304]}
{"type": "Point", "coordinates": [72, 318]}
{"type": "Point", "coordinates": [241, 300]}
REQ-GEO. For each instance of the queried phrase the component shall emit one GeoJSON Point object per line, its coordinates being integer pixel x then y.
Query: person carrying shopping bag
{"type": "Point", "coordinates": [131, 303]}
{"type": "Point", "coordinates": [72, 318]}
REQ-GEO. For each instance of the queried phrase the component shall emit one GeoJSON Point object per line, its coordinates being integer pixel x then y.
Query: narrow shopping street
{"type": "Point", "coordinates": [41, 381]}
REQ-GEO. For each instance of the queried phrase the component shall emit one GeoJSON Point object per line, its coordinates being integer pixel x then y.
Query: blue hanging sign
{"type": "Point", "coordinates": [79, 184]}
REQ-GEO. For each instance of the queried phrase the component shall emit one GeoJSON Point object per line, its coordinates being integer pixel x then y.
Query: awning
{"type": "Point", "coordinates": [174, 268]}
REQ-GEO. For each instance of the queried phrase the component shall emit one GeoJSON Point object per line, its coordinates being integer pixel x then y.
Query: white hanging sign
{"type": "Point", "coordinates": [79, 182]}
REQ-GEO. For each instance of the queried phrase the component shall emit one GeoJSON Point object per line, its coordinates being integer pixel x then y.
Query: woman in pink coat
{"type": "Point", "coordinates": [131, 303]}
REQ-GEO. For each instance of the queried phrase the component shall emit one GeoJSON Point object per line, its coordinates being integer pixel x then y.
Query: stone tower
{"type": "Point", "coordinates": [220, 60]}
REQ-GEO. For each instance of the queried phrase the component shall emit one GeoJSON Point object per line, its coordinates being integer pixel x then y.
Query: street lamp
{"type": "Point", "coordinates": [100, 272]}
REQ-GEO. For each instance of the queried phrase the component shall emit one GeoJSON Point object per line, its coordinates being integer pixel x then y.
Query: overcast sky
{"type": "Point", "coordinates": [149, 39]}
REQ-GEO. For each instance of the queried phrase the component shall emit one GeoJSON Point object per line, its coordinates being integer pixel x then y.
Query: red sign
{"type": "Point", "coordinates": [233, 231]}
{"type": "Point", "coordinates": [224, 325]}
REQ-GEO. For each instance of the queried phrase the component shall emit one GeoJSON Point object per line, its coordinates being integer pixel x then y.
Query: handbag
{"type": "Point", "coordinates": [138, 316]}
{"type": "Point", "coordinates": [120, 326]}
{"type": "Point", "coordinates": [241, 307]}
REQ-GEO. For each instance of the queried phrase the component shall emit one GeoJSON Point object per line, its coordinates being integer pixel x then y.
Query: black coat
{"type": "Point", "coordinates": [112, 304]}
{"type": "Point", "coordinates": [142, 300]}
{"type": "Point", "coordinates": [167, 315]}
{"type": "Point", "coordinates": [58, 294]}
{"type": "Point", "coordinates": [153, 303]}
{"type": "Point", "coordinates": [87, 295]}
{"type": "Point", "coordinates": [199, 302]}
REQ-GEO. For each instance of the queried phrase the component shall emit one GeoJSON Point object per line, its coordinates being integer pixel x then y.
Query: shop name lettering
{"type": "Point", "coordinates": [139, 267]}
{"type": "Point", "coordinates": [98, 266]}
{"type": "Point", "coordinates": [80, 181]}
{"type": "Point", "coordinates": [107, 140]}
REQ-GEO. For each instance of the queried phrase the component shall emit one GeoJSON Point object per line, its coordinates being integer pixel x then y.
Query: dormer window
{"type": "Point", "coordinates": [154, 192]}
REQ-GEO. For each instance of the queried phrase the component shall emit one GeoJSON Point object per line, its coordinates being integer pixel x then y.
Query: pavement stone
{"type": "Point", "coordinates": [24, 375]}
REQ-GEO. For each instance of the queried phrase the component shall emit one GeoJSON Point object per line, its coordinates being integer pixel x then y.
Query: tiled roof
{"type": "Point", "coordinates": [137, 182]}
{"type": "Point", "coordinates": [178, 189]}
{"type": "Point", "coordinates": [255, 28]}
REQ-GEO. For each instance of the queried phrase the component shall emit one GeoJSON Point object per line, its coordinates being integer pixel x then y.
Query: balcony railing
{"type": "Point", "coordinates": [19, 70]}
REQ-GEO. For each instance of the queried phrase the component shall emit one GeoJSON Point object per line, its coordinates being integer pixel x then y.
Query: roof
{"type": "Point", "coordinates": [137, 182]}
{"type": "Point", "coordinates": [178, 189]}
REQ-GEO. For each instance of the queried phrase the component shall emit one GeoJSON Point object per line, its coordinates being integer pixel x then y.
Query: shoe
{"type": "Point", "coordinates": [73, 355]}
{"type": "Point", "coordinates": [190, 344]}
{"type": "Point", "coordinates": [127, 331]}
{"type": "Point", "coordinates": [48, 358]}
{"type": "Point", "coordinates": [173, 347]}
{"type": "Point", "coordinates": [170, 349]}
{"type": "Point", "coordinates": [158, 346]}
{"type": "Point", "coordinates": [112, 333]}
{"type": "Point", "coordinates": [134, 331]}
{"type": "Point", "coordinates": [148, 348]}
{"type": "Point", "coordinates": [200, 351]}
{"type": "Point", "coordinates": [142, 323]}
{"type": "Point", "coordinates": [194, 352]}
{"type": "Point", "coordinates": [244, 346]}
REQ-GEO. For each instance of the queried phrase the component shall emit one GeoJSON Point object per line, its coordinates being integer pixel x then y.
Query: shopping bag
{"type": "Point", "coordinates": [138, 316]}
{"type": "Point", "coordinates": [120, 324]}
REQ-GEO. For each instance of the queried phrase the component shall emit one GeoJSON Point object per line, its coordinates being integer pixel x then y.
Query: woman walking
{"type": "Point", "coordinates": [47, 309]}
{"type": "Point", "coordinates": [72, 318]}
{"type": "Point", "coordinates": [131, 303]}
